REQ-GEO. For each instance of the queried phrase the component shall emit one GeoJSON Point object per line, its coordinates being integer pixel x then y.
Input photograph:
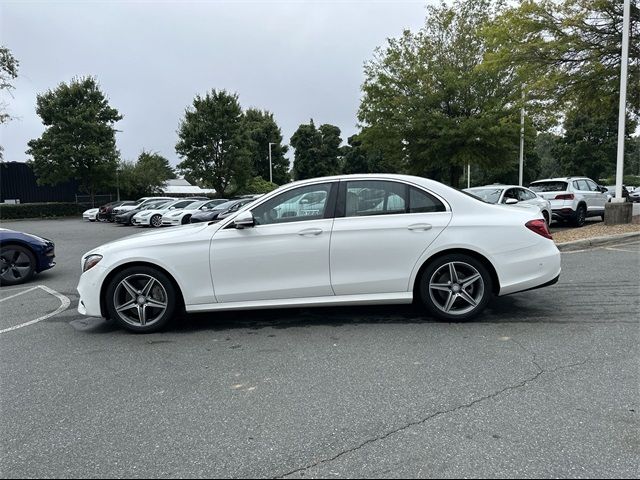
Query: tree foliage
{"type": "Point", "coordinates": [79, 140]}
{"type": "Point", "coordinates": [147, 176]}
{"type": "Point", "coordinates": [262, 129]}
{"type": "Point", "coordinates": [431, 106]}
{"type": "Point", "coordinates": [213, 142]}
{"type": "Point", "coordinates": [317, 151]}
{"type": "Point", "coordinates": [8, 72]}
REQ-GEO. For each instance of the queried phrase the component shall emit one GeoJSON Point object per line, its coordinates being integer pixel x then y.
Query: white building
{"type": "Point", "coordinates": [180, 187]}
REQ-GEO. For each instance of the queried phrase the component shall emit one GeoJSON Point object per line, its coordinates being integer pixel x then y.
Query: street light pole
{"type": "Point", "coordinates": [623, 101]}
{"type": "Point", "coordinates": [118, 182]}
{"type": "Point", "coordinates": [270, 167]}
{"type": "Point", "coordinates": [521, 174]}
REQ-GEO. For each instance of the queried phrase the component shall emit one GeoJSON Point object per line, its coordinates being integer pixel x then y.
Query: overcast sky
{"type": "Point", "coordinates": [298, 59]}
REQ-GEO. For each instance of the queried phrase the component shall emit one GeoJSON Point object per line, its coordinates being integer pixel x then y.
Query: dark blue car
{"type": "Point", "coordinates": [22, 255]}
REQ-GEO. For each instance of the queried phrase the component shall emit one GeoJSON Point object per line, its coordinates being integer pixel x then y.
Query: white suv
{"type": "Point", "coordinates": [572, 199]}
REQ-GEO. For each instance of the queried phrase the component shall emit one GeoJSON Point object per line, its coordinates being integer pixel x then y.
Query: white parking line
{"type": "Point", "coordinates": [64, 304]}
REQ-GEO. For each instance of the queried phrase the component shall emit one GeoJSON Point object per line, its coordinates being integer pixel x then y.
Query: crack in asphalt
{"type": "Point", "coordinates": [439, 413]}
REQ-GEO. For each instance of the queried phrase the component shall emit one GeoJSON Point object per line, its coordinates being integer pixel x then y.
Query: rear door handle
{"type": "Point", "coordinates": [420, 227]}
{"type": "Point", "coordinates": [309, 232]}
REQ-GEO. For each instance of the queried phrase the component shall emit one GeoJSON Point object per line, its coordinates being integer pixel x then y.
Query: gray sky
{"type": "Point", "coordinates": [298, 59]}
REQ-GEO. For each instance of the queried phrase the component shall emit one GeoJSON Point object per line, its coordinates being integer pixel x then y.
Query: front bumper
{"type": "Point", "coordinates": [172, 221]}
{"type": "Point", "coordinates": [144, 221]}
{"type": "Point", "coordinates": [89, 289]}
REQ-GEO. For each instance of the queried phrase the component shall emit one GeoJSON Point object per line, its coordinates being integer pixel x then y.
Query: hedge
{"type": "Point", "coordinates": [10, 211]}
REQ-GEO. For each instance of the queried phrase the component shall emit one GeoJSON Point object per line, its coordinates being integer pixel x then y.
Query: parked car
{"type": "Point", "coordinates": [512, 195]}
{"type": "Point", "coordinates": [445, 248]}
{"type": "Point", "coordinates": [182, 217]}
{"type": "Point", "coordinates": [105, 211]}
{"type": "Point", "coordinates": [635, 196]}
{"type": "Point", "coordinates": [611, 192]}
{"type": "Point", "coordinates": [573, 199]}
{"type": "Point", "coordinates": [125, 218]}
{"type": "Point", "coordinates": [22, 255]}
{"type": "Point", "coordinates": [153, 216]}
{"type": "Point", "coordinates": [139, 204]}
{"type": "Point", "coordinates": [220, 211]}
{"type": "Point", "coordinates": [90, 215]}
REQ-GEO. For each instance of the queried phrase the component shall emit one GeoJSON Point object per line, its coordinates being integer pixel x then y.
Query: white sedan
{"type": "Point", "coordinates": [512, 195]}
{"type": "Point", "coordinates": [153, 217]}
{"type": "Point", "coordinates": [183, 216]}
{"type": "Point", "coordinates": [374, 239]}
{"type": "Point", "coordinates": [91, 214]}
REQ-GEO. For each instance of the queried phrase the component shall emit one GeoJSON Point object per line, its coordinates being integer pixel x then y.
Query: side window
{"type": "Point", "coordinates": [510, 193]}
{"type": "Point", "coordinates": [423, 202]}
{"type": "Point", "coordinates": [576, 185]}
{"type": "Point", "coordinates": [375, 197]}
{"type": "Point", "coordinates": [592, 186]}
{"type": "Point", "coordinates": [303, 203]}
{"type": "Point", "coordinates": [582, 186]}
{"type": "Point", "coordinates": [182, 204]}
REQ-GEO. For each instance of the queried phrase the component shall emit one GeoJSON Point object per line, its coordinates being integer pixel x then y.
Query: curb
{"type": "Point", "coordinates": [596, 242]}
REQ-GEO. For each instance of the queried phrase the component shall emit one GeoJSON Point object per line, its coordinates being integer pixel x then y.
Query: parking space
{"type": "Point", "coordinates": [546, 383]}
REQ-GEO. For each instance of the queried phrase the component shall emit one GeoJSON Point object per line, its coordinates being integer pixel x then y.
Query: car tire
{"type": "Point", "coordinates": [580, 216]}
{"type": "Point", "coordinates": [186, 219]}
{"type": "Point", "coordinates": [17, 265]}
{"type": "Point", "coordinates": [545, 215]}
{"type": "Point", "coordinates": [156, 221]}
{"type": "Point", "coordinates": [141, 299]}
{"type": "Point", "coordinates": [457, 297]}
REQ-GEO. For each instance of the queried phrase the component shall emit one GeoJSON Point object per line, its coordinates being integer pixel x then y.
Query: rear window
{"type": "Point", "coordinates": [549, 186]}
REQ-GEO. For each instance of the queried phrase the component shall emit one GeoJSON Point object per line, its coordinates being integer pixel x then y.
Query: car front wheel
{"type": "Point", "coordinates": [456, 287]}
{"type": "Point", "coordinates": [141, 299]}
{"type": "Point", "coordinates": [156, 221]}
{"type": "Point", "coordinates": [17, 265]}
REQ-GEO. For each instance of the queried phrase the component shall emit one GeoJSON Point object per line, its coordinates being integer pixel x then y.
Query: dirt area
{"type": "Point", "coordinates": [593, 230]}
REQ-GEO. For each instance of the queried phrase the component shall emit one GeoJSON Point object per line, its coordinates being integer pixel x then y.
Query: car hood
{"type": "Point", "coordinates": [171, 236]}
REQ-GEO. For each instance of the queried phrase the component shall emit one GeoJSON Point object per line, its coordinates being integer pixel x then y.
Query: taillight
{"type": "Point", "coordinates": [565, 196]}
{"type": "Point", "coordinates": [540, 227]}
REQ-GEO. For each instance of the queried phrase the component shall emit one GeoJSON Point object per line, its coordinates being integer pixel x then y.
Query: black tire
{"type": "Point", "coordinates": [545, 215]}
{"type": "Point", "coordinates": [17, 264]}
{"type": "Point", "coordinates": [580, 216]}
{"type": "Point", "coordinates": [156, 221]}
{"type": "Point", "coordinates": [186, 219]}
{"type": "Point", "coordinates": [436, 300]}
{"type": "Point", "coordinates": [137, 277]}
{"type": "Point", "coordinates": [602, 217]}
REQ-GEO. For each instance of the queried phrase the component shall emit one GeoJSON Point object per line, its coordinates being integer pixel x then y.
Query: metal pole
{"type": "Point", "coordinates": [118, 183]}
{"type": "Point", "coordinates": [520, 179]}
{"type": "Point", "coordinates": [468, 175]}
{"type": "Point", "coordinates": [270, 167]}
{"type": "Point", "coordinates": [622, 109]}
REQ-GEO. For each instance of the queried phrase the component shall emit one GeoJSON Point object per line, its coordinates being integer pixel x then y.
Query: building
{"type": "Point", "coordinates": [179, 187]}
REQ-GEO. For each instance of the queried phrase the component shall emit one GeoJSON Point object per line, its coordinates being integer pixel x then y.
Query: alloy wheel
{"type": "Point", "coordinates": [15, 265]}
{"type": "Point", "coordinates": [156, 221]}
{"type": "Point", "coordinates": [456, 288]}
{"type": "Point", "coordinates": [140, 300]}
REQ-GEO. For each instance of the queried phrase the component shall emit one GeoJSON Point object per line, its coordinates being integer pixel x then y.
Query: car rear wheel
{"type": "Point", "coordinates": [141, 299]}
{"type": "Point", "coordinates": [156, 221]}
{"type": "Point", "coordinates": [580, 217]}
{"type": "Point", "coordinates": [456, 287]}
{"type": "Point", "coordinates": [17, 265]}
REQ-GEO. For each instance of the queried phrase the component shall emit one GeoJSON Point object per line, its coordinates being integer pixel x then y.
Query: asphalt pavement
{"type": "Point", "coordinates": [546, 383]}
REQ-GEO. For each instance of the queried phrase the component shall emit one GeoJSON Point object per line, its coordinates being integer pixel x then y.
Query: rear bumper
{"type": "Point", "coordinates": [563, 214]}
{"type": "Point", "coordinates": [529, 268]}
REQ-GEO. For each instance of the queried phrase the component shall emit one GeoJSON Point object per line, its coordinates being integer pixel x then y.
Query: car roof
{"type": "Point", "coordinates": [562, 179]}
{"type": "Point", "coordinates": [498, 185]}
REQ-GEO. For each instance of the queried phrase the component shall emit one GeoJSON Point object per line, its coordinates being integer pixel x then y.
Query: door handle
{"type": "Point", "coordinates": [310, 232]}
{"type": "Point", "coordinates": [420, 227]}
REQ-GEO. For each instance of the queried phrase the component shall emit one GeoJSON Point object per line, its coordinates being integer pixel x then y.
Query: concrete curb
{"type": "Point", "coordinates": [596, 242]}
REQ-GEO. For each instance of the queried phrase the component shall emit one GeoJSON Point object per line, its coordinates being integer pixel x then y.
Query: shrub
{"type": "Point", "coordinates": [9, 211]}
{"type": "Point", "coordinates": [258, 185]}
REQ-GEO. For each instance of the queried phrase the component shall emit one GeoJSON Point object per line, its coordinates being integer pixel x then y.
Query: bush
{"type": "Point", "coordinates": [626, 180]}
{"type": "Point", "coordinates": [258, 185]}
{"type": "Point", "coordinates": [9, 211]}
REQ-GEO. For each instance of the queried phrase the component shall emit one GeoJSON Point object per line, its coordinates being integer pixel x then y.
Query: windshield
{"type": "Point", "coordinates": [195, 205]}
{"type": "Point", "coordinates": [154, 205]}
{"type": "Point", "coordinates": [489, 195]}
{"type": "Point", "coordinates": [225, 205]}
{"type": "Point", "coordinates": [551, 186]}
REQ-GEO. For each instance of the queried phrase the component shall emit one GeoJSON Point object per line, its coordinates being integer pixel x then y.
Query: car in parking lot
{"type": "Point", "coordinates": [125, 218]}
{"type": "Point", "coordinates": [218, 212]}
{"type": "Point", "coordinates": [449, 250]}
{"type": "Point", "coordinates": [573, 199]}
{"type": "Point", "coordinates": [22, 255]}
{"type": "Point", "coordinates": [183, 216]}
{"type": "Point", "coordinates": [139, 204]}
{"type": "Point", "coordinates": [105, 211]}
{"type": "Point", "coordinates": [512, 195]}
{"type": "Point", "coordinates": [91, 214]}
{"type": "Point", "coordinates": [153, 216]}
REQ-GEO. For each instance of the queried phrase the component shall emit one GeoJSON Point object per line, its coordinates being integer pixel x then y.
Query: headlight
{"type": "Point", "coordinates": [90, 262]}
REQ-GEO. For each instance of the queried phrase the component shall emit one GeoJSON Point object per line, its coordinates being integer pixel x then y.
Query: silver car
{"type": "Point", "coordinates": [512, 195]}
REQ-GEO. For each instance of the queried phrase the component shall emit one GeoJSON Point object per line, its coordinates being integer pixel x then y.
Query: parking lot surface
{"type": "Point", "coordinates": [545, 384]}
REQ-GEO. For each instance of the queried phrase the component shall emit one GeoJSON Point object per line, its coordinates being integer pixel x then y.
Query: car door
{"type": "Point", "coordinates": [599, 199]}
{"type": "Point", "coordinates": [284, 255]}
{"type": "Point", "coordinates": [381, 229]}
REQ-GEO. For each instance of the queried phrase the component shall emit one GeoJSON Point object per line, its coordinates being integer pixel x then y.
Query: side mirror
{"type": "Point", "coordinates": [511, 201]}
{"type": "Point", "coordinates": [244, 220]}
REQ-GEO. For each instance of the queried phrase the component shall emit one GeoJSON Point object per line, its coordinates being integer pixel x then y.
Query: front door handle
{"type": "Point", "coordinates": [309, 232]}
{"type": "Point", "coordinates": [420, 227]}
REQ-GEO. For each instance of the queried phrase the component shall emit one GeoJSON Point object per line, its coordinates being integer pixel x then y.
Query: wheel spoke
{"type": "Point", "coordinates": [468, 298]}
{"type": "Point", "coordinates": [127, 306]}
{"type": "Point", "coordinates": [440, 286]}
{"type": "Point", "coordinates": [156, 303]}
{"type": "Point", "coordinates": [148, 286]}
{"type": "Point", "coordinates": [450, 301]}
{"type": "Point", "coordinates": [469, 280]}
{"type": "Point", "coordinates": [20, 272]}
{"type": "Point", "coordinates": [129, 288]}
{"type": "Point", "coordinates": [453, 275]}
{"type": "Point", "coordinates": [142, 315]}
{"type": "Point", "coordinates": [16, 254]}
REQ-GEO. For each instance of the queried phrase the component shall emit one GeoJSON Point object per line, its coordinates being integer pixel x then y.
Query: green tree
{"type": "Point", "coordinates": [567, 50]}
{"type": "Point", "coordinates": [257, 186]}
{"type": "Point", "coordinates": [262, 130]}
{"type": "Point", "coordinates": [8, 73]}
{"type": "Point", "coordinates": [214, 144]}
{"type": "Point", "coordinates": [430, 104]}
{"type": "Point", "coordinates": [317, 151]}
{"type": "Point", "coordinates": [79, 141]}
